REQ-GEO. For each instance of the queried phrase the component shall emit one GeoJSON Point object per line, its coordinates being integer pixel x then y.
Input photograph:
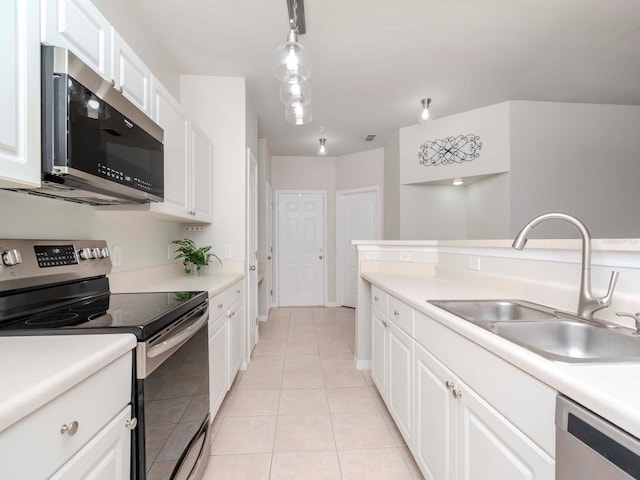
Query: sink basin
{"type": "Point", "coordinates": [571, 341]}
{"type": "Point", "coordinates": [495, 310]}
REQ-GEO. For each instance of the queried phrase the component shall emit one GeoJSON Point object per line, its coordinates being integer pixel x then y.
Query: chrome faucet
{"type": "Point", "coordinates": [587, 303]}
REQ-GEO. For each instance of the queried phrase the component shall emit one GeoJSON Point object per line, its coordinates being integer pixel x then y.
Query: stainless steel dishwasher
{"type": "Point", "coordinates": [590, 448]}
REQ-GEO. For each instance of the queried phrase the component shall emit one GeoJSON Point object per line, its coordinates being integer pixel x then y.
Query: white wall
{"type": "Point", "coordinates": [577, 158]}
{"type": "Point", "coordinates": [363, 169]}
{"type": "Point", "coordinates": [488, 208]}
{"type": "Point", "coordinates": [391, 186]}
{"type": "Point", "coordinates": [217, 105]}
{"type": "Point", "coordinates": [432, 212]}
{"type": "Point", "coordinates": [125, 18]}
{"type": "Point", "coordinates": [143, 240]}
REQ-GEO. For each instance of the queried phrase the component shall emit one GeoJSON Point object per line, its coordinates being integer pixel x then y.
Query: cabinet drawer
{"type": "Point", "coordinates": [221, 302]}
{"type": "Point", "coordinates": [379, 299]}
{"type": "Point", "coordinates": [401, 314]}
{"type": "Point", "coordinates": [36, 445]}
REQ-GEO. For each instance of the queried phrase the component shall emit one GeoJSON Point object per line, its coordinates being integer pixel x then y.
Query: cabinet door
{"type": "Point", "coordinates": [201, 174]}
{"type": "Point", "coordinates": [434, 436]}
{"type": "Point", "coordinates": [79, 26]}
{"type": "Point", "coordinates": [19, 94]}
{"type": "Point", "coordinates": [379, 351]}
{"type": "Point", "coordinates": [489, 446]}
{"type": "Point", "coordinates": [106, 457]}
{"type": "Point", "coordinates": [168, 114]}
{"type": "Point", "coordinates": [399, 379]}
{"type": "Point", "coordinates": [217, 362]}
{"type": "Point", "coordinates": [235, 339]}
{"type": "Point", "coordinates": [131, 75]}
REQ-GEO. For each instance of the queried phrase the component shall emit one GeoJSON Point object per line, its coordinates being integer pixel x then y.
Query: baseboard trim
{"type": "Point", "coordinates": [331, 305]}
{"type": "Point", "coordinates": [363, 364]}
{"type": "Point", "coordinates": [263, 318]}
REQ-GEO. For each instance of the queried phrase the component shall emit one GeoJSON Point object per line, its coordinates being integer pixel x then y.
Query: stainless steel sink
{"type": "Point", "coordinates": [495, 310]}
{"type": "Point", "coordinates": [554, 335]}
{"type": "Point", "coordinates": [571, 341]}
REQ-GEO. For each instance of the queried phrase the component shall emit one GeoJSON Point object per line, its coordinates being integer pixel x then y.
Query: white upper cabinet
{"type": "Point", "coordinates": [201, 174]}
{"type": "Point", "coordinates": [79, 26]}
{"type": "Point", "coordinates": [168, 114]}
{"type": "Point", "coordinates": [19, 94]}
{"type": "Point", "coordinates": [131, 76]}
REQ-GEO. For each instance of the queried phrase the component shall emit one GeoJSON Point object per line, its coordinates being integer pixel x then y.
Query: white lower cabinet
{"type": "Point", "coordinates": [106, 457]}
{"type": "Point", "coordinates": [456, 431]}
{"type": "Point", "coordinates": [225, 342]}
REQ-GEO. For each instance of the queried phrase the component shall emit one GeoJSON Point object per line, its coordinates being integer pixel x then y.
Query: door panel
{"type": "Point", "coordinates": [301, 249]}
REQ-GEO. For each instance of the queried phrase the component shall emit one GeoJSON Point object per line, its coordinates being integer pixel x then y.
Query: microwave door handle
{"type": "Point", "coordinates": [180, 338]}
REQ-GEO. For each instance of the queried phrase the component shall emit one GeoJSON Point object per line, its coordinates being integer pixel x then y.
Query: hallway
{"type": "Point", "coordinates": [302, 411]}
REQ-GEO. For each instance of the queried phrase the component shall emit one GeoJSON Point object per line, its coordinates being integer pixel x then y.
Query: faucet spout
{"type": "Point", "coordinates": [587, 303]}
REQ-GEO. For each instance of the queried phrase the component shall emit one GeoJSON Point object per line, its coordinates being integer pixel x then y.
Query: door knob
{"type": "Point", "coordinates": [269, 257]}
{"type": "Point", "coordinates": [252, 267]}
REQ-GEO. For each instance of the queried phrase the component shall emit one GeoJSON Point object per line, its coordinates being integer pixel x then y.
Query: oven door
{"type": "Point", "coordinates": [173, 400]}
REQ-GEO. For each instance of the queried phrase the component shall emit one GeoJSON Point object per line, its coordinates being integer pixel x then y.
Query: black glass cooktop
{"type": "Point", "coordinates": [143, 314]}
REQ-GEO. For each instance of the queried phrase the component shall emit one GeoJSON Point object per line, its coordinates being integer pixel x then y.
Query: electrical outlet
{"type": "Point", "coordinates": [474, 263]}
{"type": "Point", "coordinates": [405, 256]}
{"type": "Point", "coordinates": [116, 256]}
{"type": "Point", "coordinates": [194, 228]}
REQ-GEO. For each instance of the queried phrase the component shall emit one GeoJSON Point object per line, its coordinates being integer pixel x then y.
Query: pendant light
{"type": "Point", "coordinates": [292, 60]}
{"type": "Point", "coordinates": [322, 150]}
{"type": "Point", "coordinates": [291, 93]}
{"type": "Point", "coordinates": [298, 114]}
{"type": "Point", "coordinates": [425, 114]}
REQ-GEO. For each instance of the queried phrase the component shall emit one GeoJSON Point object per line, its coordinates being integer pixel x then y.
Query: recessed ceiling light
{"type": "Point", "coordinates": [458, 181]}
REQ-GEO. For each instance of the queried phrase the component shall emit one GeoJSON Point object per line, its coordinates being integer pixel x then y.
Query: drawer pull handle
{"type": "Point", "coordinates": [220, 305]}
{"type": "Point", "coordinates": [70, 429]}
{"type": "Point", "coordinates": [456, 394]}
{"type": "Point", "coordinates": [131, 424]}
{"type": "Point", "coordinates": [396, 313]}
{"type": "Point", "coordinates": [450, 385]}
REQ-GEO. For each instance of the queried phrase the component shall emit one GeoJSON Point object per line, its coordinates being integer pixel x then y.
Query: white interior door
{"type": "Point", "coordinates": [301, 252]}
{"type": "Point", "coordinates": [268, 274]}
{"type": "Point", "coordinates": [252, 249]}
{"type": "Point", "coordinates": [358, 219]}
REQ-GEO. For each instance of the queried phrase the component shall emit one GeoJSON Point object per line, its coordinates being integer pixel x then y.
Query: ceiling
{"type": "Point", "coordinates": [373, 60]}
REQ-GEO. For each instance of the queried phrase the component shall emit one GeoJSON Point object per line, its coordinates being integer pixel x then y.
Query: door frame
{"type": "Point", "coordinates": [250, 331]}
{"type": "Point", "coordinates": [340, 252]}
{"type": "Point", "coordinates": [276, 234]}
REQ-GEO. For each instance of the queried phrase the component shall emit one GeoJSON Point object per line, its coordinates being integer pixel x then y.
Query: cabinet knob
{"type": "Point", "coordinates": [238, 292]}
{"type": "Point", "coordinates": [131, 424]}
{"type": "Point", "coordinates": [456, 394]}
{"type": "Point", "coordinates": [252, 268]}
{"type": "Point", "coordinates": [220, 305]}
{"type": "Point", "coordinates": [269, 257]}
{"type": "Point", "coordinates": [376, 299]}
{"type": "Point", "coordinates": [70, 429]}
{"type": "Point", "coordinates": [320, 257]}
{"type": "Point", "coordinates": [396, 313]}
{"type": "Point", "coordinates": [450, 385]}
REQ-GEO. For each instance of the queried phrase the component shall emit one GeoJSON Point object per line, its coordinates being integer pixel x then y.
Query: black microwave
{"type": "Point", "coordinates": [97, 147]}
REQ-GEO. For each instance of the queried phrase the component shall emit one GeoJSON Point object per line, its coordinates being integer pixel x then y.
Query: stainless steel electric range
{"type": "Point", "coordinates": [59, 287]}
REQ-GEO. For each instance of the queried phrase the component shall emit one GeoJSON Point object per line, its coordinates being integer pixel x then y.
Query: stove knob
{"type": "Point", "coordinates": [11, 257]}
{"type": "Point", "coordinates": [105, 252]}
{"type": "Point", "coordinates": [97, 253]}
{"type": "Point", "coordinates": [86, 253]}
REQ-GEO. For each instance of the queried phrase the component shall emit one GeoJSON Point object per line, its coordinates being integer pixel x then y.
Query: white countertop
{"type": "Point", "coordinates": [35, 370]}
{"type": "Point", "coordinates": [611, 390]}
{"type": "Point", "coordinates": [213, 283]}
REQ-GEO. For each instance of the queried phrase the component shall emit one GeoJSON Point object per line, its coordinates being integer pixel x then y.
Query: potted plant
{"type": "Point", "coordinates": [193, 256]}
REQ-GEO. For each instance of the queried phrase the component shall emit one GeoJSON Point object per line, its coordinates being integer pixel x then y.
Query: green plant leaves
{"type": "Point", "coordinates": [190, 253]}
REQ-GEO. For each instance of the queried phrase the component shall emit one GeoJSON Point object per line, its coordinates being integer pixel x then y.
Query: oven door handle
{"type": "Point", "coordinates": [181, 337]}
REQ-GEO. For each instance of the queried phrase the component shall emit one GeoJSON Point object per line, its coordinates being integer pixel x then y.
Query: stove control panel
{"type": "Point", "coordinates": [55, 255]}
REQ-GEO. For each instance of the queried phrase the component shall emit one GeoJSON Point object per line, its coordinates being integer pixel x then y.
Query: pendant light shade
{"type": "Point", "coordinates": [322, 150]}
{"type": "Point", "coordinates": [425, 114]}
{"type": "Point", "coordinates": [292, 64]}
{"type": "Point", "coordinates": [298, 114]}
{"type": "Point", "coordinates": [291, 93]}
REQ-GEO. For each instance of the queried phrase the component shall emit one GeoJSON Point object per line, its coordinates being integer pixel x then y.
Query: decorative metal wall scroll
{"type": "Point", "coordinates": [445, 151]}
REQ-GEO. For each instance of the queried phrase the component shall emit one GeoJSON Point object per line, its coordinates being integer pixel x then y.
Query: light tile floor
{"type": "Point", "coordinates": [302, 411]}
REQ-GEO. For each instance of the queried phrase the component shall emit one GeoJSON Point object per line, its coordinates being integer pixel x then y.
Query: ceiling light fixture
{"type": "Point", "coordinates": [425, 114]}
{"type": "Point", "coordinates": [293, 69]}
{"type": "Point", "coordinates": [458, 181]}
{"type": "Point", "coordinates": [322, 150]}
